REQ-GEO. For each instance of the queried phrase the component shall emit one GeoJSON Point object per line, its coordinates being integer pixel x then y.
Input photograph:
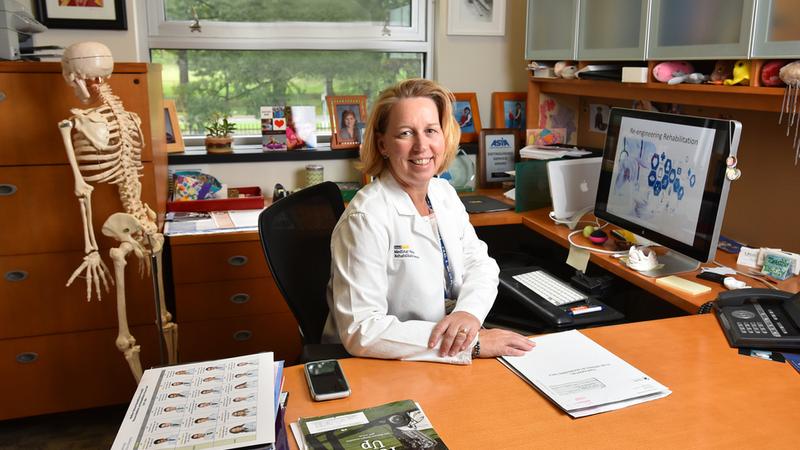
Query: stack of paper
{"type": "Point", "coordinates": [396, 425]}
{"type": "Point", "coordinates": [550, 152]}
{"type": "Point", "coordinates": [221, 404]}
{"type": "Point", "coordinates": [582, 377]}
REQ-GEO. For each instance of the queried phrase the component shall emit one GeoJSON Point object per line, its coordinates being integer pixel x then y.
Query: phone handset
{"type": "Point", "coordinates": [741, 296]}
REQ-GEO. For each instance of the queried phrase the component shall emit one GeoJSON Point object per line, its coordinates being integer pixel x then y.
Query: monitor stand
{"type": "Point", "coordinates": [671, 263]}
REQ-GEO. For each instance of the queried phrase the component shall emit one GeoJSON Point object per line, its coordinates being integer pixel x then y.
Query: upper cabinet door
{"type": "Point", "coordinates": [550, 29]}
{"type": "Point", "coordinates": [612, 30]}
{"type": "Point", "coordinates": [700, 29]}
{"type": "Point", "coordinates": [777, 30]}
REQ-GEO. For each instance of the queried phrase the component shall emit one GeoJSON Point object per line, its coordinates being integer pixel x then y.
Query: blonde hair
{"type": "Point", "coordinates": [372, 162]}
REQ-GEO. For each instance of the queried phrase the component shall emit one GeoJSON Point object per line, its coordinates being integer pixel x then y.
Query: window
{"type": "Point", "coordinates": [253, 53]}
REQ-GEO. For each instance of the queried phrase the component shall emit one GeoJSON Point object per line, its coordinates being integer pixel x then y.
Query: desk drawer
{"type": "Point", "coordinates": [203, 301]}
{"type": "Point", "coordinates": [34, 299]}
{"type": "Point", "coordinates": [43, 215]}
{"type": "Point", "coordinates": [36, 102]}
{"type": "Point", "coordinates": [212, 339]}
{"type": "Point", "coordinates": [70, 371]}
{"type": "Point", "coordinates": [218, 262]}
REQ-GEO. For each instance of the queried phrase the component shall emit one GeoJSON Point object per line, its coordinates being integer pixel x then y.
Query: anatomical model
{"type": "Point", "coordinates": [790, 74]}
{"type": "Point", "coordinates": [104, 145]}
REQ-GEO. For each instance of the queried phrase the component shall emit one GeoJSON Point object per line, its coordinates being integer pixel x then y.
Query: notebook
{"type": "Point", "coordinates": [573, 185]}
{"type": "Point", "coordinates": [481, 204]}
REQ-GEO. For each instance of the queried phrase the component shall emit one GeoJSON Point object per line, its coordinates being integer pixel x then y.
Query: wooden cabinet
{"type": "Point", "coordinates": [57, 350]}
{"type": "Point", "coordinates": [226, 302]}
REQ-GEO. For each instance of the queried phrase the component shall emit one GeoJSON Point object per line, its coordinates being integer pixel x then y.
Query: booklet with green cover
{"type": "Point", "coordinates": [399, 425]}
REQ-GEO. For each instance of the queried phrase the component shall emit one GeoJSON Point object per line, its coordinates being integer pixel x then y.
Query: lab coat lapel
{"type": "Point", "coordinates": [405, 207]}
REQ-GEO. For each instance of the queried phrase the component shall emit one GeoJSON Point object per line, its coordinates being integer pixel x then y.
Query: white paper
{"type": "Point", "coordinates": [222, 404]}
{"type": "Point", "coordinates": [748, 257]}
{"type": "Point", "coordinates": [582, 377]}
{"type": "Point", "coordinates": [246, 218]}
{"type": "Point", "coordinates": [336, 422]}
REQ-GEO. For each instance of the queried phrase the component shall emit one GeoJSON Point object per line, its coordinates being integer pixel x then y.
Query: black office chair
{"type": "Point", "coordinates": [295, 233]}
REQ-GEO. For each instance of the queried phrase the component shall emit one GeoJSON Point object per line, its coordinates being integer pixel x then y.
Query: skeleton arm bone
{"type": "Point", "coordinates": [94, 267]}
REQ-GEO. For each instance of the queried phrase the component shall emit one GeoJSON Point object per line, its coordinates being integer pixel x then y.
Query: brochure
{"type": "Point", "coordinates": [397, 425]}
{"type": "Point", "coordinates": [221, 404]}
{"type": "Point", "coordinates": [582, 377]}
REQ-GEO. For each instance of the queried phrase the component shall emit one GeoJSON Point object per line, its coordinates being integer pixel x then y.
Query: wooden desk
{"type": "Point", "coordinates": [719, 399]}
{"type": "Point", "coordinates": [539, 221]}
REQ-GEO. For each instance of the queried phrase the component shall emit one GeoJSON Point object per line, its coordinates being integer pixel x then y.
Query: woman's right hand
{"type": "Point", "coordinates": [496, 342]}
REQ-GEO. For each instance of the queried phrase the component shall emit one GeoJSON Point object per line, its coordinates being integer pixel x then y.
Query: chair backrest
{"type": "Point", "coordinates": [295, 233]}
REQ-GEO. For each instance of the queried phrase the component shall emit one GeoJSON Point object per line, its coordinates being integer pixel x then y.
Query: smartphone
{"type": "Point", "coordinates": [326, 380]}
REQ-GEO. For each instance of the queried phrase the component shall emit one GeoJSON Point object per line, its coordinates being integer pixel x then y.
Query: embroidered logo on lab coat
{"type": "Point", "coordinates": [404, 251]}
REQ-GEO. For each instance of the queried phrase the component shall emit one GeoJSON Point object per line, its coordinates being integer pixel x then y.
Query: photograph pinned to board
{"type": "Point", "coordinates": [598, 117]}
{"type": "Point", "coordinates": [497, 151]}
{"type": "Point", "coordinates": [476, 17]}
{"type": "Point", "coordinates": [172, 128]}
{"type": "Point", "coordinates": [84, 15]}
{"type": "Point", "coordinates": [559, 112]}
{"type": "Point", "coordinates": [465, 110]}
{"type": "Point", "coordinates": [508, 110]}
{"type": "Point", "coordinates": [348, 115]}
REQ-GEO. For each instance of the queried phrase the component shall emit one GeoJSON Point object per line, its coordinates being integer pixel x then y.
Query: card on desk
{"type": "Point", "coordinates": [683, 285]}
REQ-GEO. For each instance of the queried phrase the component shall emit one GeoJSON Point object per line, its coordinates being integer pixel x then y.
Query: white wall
{"type": "Point", "coordinates": [480, 64]}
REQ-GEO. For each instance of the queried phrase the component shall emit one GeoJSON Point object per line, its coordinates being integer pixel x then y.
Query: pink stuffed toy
{"type": "Point", "coordinates": [675, 72]}
{"type": "Point", "coordinates": [770, 73]}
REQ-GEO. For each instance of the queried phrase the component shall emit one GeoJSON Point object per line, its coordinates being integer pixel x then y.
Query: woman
{"type": "Point", "coordinates": [347, 132]}
{"type": "Point", "coordinates": [405, 245]}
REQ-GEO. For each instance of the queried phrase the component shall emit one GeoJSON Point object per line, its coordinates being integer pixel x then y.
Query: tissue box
{"type": "Point", "coordinates": [634, 74]}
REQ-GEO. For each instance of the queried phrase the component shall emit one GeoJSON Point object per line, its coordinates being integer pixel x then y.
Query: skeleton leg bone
{"type": "Point", "coordinates": [126, 343]}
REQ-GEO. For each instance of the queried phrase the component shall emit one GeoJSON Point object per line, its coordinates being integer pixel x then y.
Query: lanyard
{"type": "Point", "coordinates": [448, 288]}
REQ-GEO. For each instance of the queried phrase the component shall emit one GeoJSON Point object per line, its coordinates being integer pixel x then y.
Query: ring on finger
{"type": "Point", "coordinates": [463, 331]}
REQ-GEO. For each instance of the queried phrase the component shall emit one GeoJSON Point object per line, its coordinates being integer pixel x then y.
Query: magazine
{"type": "Point", "coordinates": [398, 425]}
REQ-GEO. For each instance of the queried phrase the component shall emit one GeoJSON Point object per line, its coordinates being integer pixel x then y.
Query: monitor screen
{"type": "Point", "coordinates": [663, 178]}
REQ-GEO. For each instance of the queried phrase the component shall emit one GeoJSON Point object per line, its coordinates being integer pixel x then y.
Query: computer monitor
{"type": "Point", "coordinates": [663, 178]}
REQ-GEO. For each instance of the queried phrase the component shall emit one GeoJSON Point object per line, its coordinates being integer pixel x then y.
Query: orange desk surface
{"type": "Point", "coordinates": [719, 399]}
{"type": "Point", "coordinates": [539, 221]}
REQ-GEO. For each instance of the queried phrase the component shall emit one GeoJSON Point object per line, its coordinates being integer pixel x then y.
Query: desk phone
{"type": "Point", "coordinates": [760, 318]}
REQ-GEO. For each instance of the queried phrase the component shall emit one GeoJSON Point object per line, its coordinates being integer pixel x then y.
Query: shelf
{"type": "Point", "coordinates": [734, 97]}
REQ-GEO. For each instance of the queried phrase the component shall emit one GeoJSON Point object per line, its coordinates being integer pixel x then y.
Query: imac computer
{"type": "Point", "coordinates": [663, 177]}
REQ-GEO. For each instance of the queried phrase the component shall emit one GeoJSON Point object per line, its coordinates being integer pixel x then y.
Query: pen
{"type": "Point", "coordinates": [585, 309]}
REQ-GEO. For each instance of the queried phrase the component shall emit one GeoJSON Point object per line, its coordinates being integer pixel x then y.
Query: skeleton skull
{"type": "Point", "coordinates": [86, 61]}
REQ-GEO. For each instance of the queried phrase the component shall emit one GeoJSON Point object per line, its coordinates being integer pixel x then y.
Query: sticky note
{"type": "Point", "coordinates": [683, 285]}
{"type": "Point", "coordinates": [578, 258]}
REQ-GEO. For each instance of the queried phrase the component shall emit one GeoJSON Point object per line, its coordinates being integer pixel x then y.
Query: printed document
{"type": "Point", "coordinates": [582, 377]}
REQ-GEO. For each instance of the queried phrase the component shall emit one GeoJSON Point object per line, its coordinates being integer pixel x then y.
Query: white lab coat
{"type": "Point", "coordinates": [386, 291]}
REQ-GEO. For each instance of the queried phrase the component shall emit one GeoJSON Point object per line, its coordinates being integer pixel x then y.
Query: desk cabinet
{"type": "Point", "coordinates": [57, 350]}
{"type": "Point", "coordinates": [777, 29]}
{"type": "Point", "coordinates": [226, 302]}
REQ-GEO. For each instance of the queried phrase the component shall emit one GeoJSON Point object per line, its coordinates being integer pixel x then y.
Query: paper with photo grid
{"type": "Point", "coordinates": [582, 377]}
{"type": "Point", "coordinates": [220, 404]}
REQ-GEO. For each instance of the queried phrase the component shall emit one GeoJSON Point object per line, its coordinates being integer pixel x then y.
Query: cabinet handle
{"type": "Point", "coordinates": [16, 275]}
{"type": "Point", "coordinates": [242, 335]}
{"type": "Point", "coordinates": [27, 357]}
{"type": "Point", "coordinates": [7, 189]}
{"type": "Point", "coordinates": [238, 260]}
{"type": "Point", "coordinates": [240, 298]}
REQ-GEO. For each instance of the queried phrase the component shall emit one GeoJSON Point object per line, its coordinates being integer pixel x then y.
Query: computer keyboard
{"type": "Point", "coordinates": [549, 288]}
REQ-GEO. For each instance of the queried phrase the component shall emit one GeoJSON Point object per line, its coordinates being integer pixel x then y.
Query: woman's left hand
{"type": "Point", "coordinates": [456, 331]}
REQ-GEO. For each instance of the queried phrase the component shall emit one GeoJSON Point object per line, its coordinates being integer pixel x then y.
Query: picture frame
{"type": "Point", "coordinates": [497, 154]}
{"type": "Point", "coordinates": [341, 108]}
{"type": "Point", "coordinates": [172, 128]}
{"type": "Point", "coordinates": [509, 111]}
{"type": "Point", "coordinates": [465, 111]}
{"type": "Point", "coordinates": [476, 18]}
{"type": "Point", "coordinates": [88, 15]}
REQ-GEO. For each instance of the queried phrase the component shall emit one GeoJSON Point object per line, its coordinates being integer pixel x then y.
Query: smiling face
{"type": "Point", "coordinates": [349, 119]}
{"type": "Point", "coordinates": [413, 142]}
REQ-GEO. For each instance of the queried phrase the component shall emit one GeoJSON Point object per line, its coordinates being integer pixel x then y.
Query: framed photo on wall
{"type": "Point", "coordinates": [508, 110]}
{"type": "Point", "coordinates": [497, 154]}
{"type": "Point", "coordinates": [82, 14]}
{"type": "Point", "coordinates": [476, 17]}
{"type": "Point", "coordinates": [348, 116]}
{"type": "Point", "coordinates": [172, 128]}
{"type": "Point", "coordinates": [465, 110]}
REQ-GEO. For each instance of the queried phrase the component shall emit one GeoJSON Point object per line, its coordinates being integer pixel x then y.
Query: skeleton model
{"type": "Point", "coordinates": [104, 145]}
